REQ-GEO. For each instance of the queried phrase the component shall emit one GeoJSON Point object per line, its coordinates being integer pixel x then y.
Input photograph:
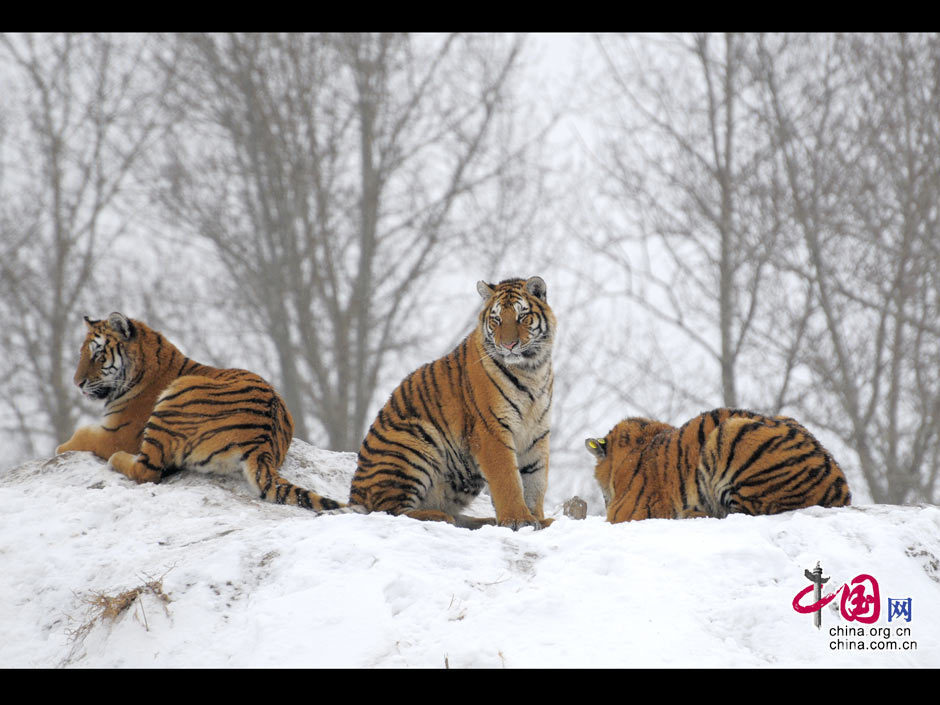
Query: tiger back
{"type": "Point", "coordinates": [719, 462]}
{"type": "Point", "coordinates": [165, 412]}
{"type": "Point", "coordinates": [478, 416]}
{"type": "Point", "coordinates": [767, 466]}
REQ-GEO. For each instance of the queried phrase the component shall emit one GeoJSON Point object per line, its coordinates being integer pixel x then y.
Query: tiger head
{"type": "Point", "coordinates": [619, 451]}
{"type": "Point", "coordinates": [105, 362]}
{"type": "Point", "coordinates": [517, 323]}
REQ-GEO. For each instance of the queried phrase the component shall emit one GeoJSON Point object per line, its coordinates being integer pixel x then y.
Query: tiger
{"type": "Point", "coordinates": [720, 462]}
{"type": "Point", "coordinates": [479, 415]}
{"type": "Point", "coordinates": [164, 413]}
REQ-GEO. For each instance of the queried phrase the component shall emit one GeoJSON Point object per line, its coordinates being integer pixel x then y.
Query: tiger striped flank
{"type": "Point", "coordinates": [478, 416]}
{"type": "Point", "coordinates": [164, 413]}
{"type": "Point", "coordinates": [761, 466]}
{"type": "Point", "coordinates": [720, 462]}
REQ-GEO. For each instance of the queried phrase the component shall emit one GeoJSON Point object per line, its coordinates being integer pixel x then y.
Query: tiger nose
{"type": "Point", "coordinates": [511, 345]}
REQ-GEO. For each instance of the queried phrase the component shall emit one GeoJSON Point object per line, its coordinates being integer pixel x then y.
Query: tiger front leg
{"type": "Point", "coordinates": [533, 469]}
{"type": "Point", "coordinates": [136, 467]}
{"type": "Point", "coordinates": [90, 438]}
{"type": "Point", "coordinates": [497, 461]}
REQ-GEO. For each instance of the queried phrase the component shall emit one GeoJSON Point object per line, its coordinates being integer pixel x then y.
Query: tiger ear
{"type": "Point", "coordinates": [121, 324]}
{"type": "Point", "coordinates": [485, 290]}
{"type": "Point", "coordinates": [90, 322]}
{"type": "Point", "coordinates": [596, 446]}
{"type": "Point", "coordinates": [536, 287]}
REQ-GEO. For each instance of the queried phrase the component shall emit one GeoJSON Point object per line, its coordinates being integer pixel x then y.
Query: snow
{"type": "Point", "coordinates": [253, 584]}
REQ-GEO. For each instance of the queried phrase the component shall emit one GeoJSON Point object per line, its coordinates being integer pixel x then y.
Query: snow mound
{"type": "Point", "coordinates": [251, 584]}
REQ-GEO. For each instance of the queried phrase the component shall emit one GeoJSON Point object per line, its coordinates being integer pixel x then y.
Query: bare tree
{"type": "Point", "coordinates": [783, 190]}
{"type": "Point", "coordinates": [327, 170]}
{"type": "Point", "coordinates": [82, 121]}
{"type": "Point", "coordinates": [687, 172]}
{"type": "Point", "coordinates": [855, 124]}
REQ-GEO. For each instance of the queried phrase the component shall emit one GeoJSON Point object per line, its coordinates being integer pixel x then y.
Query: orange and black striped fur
{"type": "Point", "coordinates": [720, 462]}
{"type": "Point", "coordinates": [479, 415]}
{"type": "Point", "coordinates": [164, 412]}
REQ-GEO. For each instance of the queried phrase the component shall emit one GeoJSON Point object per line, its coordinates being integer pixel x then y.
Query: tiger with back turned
{"type": "Point", "coordinates": [478, 416]}
{"type": "Point", "coordinates": [164, 412]}
{"type": "Point", "coordinates": [720, 462]}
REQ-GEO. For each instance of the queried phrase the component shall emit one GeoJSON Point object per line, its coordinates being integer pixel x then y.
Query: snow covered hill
{"type": "Point", "coordinates": [211, 576]}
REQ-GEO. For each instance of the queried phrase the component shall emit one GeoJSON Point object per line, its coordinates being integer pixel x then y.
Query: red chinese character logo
{"type": "Point", "coordinates": [862, 607]}
{"type": "Point", "coordinates": [857, 604]}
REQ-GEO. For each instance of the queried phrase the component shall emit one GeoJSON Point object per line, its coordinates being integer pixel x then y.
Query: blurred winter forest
{"type": "Point", "coordinates": [740, 220]}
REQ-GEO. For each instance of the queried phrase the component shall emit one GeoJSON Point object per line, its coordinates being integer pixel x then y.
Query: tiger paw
{"type": "Point", "coordinates": [516, 523]}
{"type": "Point", "coordinates": [128, 465]}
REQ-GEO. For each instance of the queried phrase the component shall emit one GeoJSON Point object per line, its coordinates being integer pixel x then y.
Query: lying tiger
{"type": "Point", "coordinates": [163, 412]}
{"type": "Point", "coordinates": [720, 462]}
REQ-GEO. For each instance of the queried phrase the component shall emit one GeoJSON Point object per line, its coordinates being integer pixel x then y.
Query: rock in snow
{"type": "Point", "coordinates": [252, 584]}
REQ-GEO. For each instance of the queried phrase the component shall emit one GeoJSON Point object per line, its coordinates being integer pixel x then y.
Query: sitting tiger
{"type": "Point", "coordinates": [720, 462]}
{"type": "Point", "coordinates": [479, 415]}
{"type": "Point", "coordinates": [164, 412]}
